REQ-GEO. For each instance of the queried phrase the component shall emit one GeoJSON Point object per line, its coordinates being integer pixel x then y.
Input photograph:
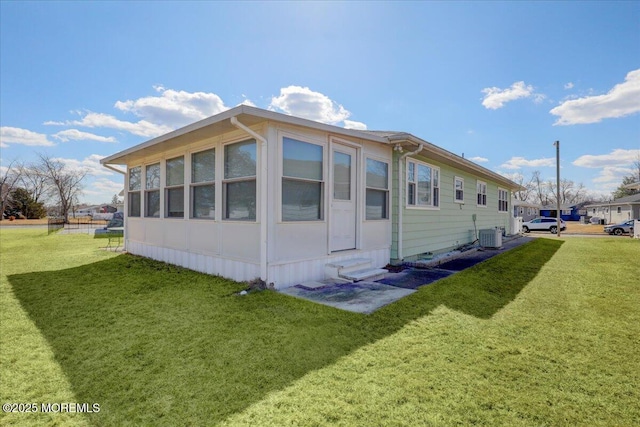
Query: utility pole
{"type": "Point", "coordinates": [558, 219]}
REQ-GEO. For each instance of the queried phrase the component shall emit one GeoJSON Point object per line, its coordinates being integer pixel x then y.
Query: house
{"type": "Point", "coordinates": [615, 211]}
{"type": "Point", "coordinates": [252, 193]}
{"type": "Point", "coordinates": [96, 210]}
{"type": "Point", "coordinates": [526, 210]}
{"type": "Point", "coordinates": [568, 212]}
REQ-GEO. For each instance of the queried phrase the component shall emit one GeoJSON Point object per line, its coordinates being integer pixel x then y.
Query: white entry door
{"type": "Point", "coordinates": [343, 198]}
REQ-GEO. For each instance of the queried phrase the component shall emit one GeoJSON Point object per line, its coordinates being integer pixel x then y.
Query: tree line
{"type": "Point", "coordinates": [537, 190]}
{"type": "Point", "coordinates": [27, 187]}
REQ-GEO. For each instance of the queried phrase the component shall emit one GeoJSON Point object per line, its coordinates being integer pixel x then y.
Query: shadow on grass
{"type": "Point", "coordinates": [161, 345]}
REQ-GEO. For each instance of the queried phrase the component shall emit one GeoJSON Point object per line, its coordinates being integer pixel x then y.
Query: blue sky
{"type": "Point", "coordinates": [497, 81]}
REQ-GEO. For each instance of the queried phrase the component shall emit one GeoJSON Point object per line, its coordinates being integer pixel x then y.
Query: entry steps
{"type": "Point", "coordinates": [355, 269]}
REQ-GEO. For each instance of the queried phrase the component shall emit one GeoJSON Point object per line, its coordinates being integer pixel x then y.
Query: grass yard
{"type": "Point", "coordinates": [546, 334]}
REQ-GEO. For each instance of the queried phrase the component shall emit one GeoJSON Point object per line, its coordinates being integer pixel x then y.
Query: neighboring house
{"type": "Point", "coordinates": [96, 209]}
{"type": "Point", "coordinates": [252, 193]}
{"type": "Point", "coordinates": [568, 212]}
{"type": "Point", "coordinates": [616, 211]}
{"type": "Point", "coordinates": [526, 210]}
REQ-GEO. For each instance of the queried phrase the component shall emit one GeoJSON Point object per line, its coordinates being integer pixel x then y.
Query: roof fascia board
{"type": "Point", "coordinates": [454, 158]}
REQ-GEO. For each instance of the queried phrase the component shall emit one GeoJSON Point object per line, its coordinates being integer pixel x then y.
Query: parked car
{"type": "Point", "coordinates": [543, 224]}
{"type": "Point", "coordinates": [619, 229]}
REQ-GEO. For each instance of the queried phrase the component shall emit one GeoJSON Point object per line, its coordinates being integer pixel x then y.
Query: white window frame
{"type": "Point", "coordinates": [289, 178]}
{"type": "Point", "coordinates": [481, 194]}
{"type": "Point", "coordinates": [434, 190]}
{"type": "Point", "coordinates": [380, 189]}
{"type": "Point", "coordinates": [168, 187]}
{"type": "Point", "coordinates": [247, 178]}
{"type": "Point", "coordinates": [196, 184]}
{"type": "Point", "coordinates": [149, 190]}
{"type": "Point", "coordinates": [131, 191]}
{"type": "Point", "coordinates": [503, 200]}
{"type": "Point", "coordinates": [457, 179]}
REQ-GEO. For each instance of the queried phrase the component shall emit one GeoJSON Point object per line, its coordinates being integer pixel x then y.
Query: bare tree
{"type": "Point", "coordinates": [540, 188]}
{"type": "Point", "coordinates": [570, 192]}
{"type": "Point", "coordinates": [34, 179]}
{"type": "Point", "coordinates": [8, 182]}
{"type": "Point", "coordinates": [65, 183]}
{"type": "Point", "coordinates": [525, 190]}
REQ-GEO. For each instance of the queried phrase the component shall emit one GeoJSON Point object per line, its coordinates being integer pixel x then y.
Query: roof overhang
{"type": "Point", "coordinates": [408, 142]}
{"type": "Point", "coordinates": [251, 116]}
{"type": "Point", "coordinates": [633, 186]}
{"type": "Point", "coordinates": [218, 125]}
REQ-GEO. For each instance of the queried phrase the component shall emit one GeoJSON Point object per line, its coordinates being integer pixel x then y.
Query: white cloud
{"type": "Point", "coordinates": [90, 164]}
{"type": "Point", "coordinates": [100, 120]}
{"type": "Point", "coordinates": [496, 98]}
{"type": "Point", "coordinates": [76, 135]}
{"type": "Point", "coordinates": [174, 108]}
{"type": "Point", "coordinates": [350, 124]}
{"type": "Point", "coordinates": [103, 189]}
{"type": "Point", "coordinates": [479, 159]}
{"type": "Point", "coordinates": [11, 135]}
{"type": "Point", "coordinates": [513, 176]}
{"type": "Point", "coordinates": [617, 157]}
{"type": "Point", "coordinates": [568, 85]}
{"type": "Point", "coordinates": [520, 162]}
{"type": "Point", "coordinates": [612, 174]}
{"type": "Point", "coordinates": [303, 102]}
{"type": "Point", "coordinates": [622, 100]}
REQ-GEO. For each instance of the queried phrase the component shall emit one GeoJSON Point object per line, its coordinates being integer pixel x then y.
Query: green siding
{"type": "Point", "coordinates": [450, 226]}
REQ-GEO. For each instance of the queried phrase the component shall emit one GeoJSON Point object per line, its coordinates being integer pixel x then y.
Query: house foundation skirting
{"type": "Point", "coordinates": [209, 264]}
{"type": "Point", "coordinates": [281, 274]}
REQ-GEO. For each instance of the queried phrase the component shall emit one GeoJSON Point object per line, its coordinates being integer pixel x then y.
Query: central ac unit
{"type": "Point", "coordinates": [490, 238]}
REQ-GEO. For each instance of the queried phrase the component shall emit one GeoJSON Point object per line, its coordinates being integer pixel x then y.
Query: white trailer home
{"type": "Point", "coordinates": [252, 193]}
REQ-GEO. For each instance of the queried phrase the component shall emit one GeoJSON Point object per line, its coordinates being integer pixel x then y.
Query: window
{"type": "Point", "coordinates": [239, 185]}
{"type": "Point", "coordinates": [458, 184]}
{"type": "Point", "coordinates": [301, 181]}
{"type": "Point", "coordinates": [174, 190]}
{"type": "Point", "coordinates": [203, 190]}
{"type": "Point", "coordinates": [503, 203]}
{"type": "Point", "coordinates": [152, 191]}
{"type": "Point", "coordinates": [423, 182]}
{"type": "Point", "coordinates": [133, 195]}
{"type": "Point", "coordinates": [481, 190]}
{"type": "Point", "coordinates": [566, 211]}
{"type": "Point", "coordinates": [522, 210]}
{"type": "Point", "coordinates": [377, 194]}
{"type": "Point", "coordinates": [619, 209]}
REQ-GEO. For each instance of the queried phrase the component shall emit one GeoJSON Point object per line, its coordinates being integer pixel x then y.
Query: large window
{"type": "Point", "coordinates": [302, 181]}
{"type": "Point", "coordinates": [174, 190]}
{"type": "Point", "coordinates": [377, 195]}
{"type": "Point", "coordinates": [239, 183]}
{"type": "Point", "coordinates": [152, 191]}
{"type": "Point", "coordinates": [458, 185]}
{"type": "Point", "coordinates": [135, 185]}
{"type": "Point", "coordinates": [503, 200]}
{"type": "Point", "coordinates": [203, 190]}
{"type": "Point", "coordinates": [423, 184]}
{"type": "Point", "coordinates": [481, 192]}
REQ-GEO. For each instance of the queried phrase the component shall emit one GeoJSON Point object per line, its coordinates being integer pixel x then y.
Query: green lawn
{"type": "Point", "coordinates": [546, 334]}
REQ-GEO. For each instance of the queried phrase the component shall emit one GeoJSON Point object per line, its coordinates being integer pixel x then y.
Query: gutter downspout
{"type": "Point", "coordinates": [401, 193]}
{"type": "Point", "coordinates": [263, 196]}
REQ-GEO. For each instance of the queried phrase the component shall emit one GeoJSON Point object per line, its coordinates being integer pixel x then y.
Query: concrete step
{"type": "Point", "coordinates": [337, 268]}
{"type": "Point", "coordinates": [369, 274]}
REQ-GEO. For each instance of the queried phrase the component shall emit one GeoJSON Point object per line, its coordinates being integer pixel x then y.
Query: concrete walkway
{"type": "Point", "coordinates": [367, 297]}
